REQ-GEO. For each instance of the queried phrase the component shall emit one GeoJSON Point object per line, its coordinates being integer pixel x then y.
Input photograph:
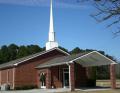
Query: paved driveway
{"type": "Point", "coordinates": [38, 91]}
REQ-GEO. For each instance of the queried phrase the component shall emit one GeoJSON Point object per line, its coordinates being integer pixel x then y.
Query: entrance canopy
{"type": "Point", "coordinates": [94, 59]}
{"type": "Point", "coordinates": [85, 59]}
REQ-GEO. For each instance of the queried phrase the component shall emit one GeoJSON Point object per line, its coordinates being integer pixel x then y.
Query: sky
{"type": "Point", "coordinates": [26, 22]}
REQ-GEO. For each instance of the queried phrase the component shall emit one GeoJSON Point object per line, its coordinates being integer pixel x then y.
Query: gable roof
{"type": "Point", "coordinates": [24, 59]}
{"type": "Point", "coordinates": [60, 60]}
{"type": "Point", "coordinates": [85, 59]}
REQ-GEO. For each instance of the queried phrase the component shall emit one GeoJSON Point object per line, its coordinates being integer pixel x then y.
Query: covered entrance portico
{"type": "Point", "coordinates": [71, 71]}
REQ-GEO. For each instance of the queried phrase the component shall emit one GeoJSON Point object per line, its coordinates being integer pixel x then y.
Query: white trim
{"type": "Point", "coordinates": [63, 51]}
{"type": "Point", "coordinates": [113, 62]}
{"type": "Point", "coordinates": [59, 73]}
{"type": "Point", "coordinates": [80, 57]}
{"type": "Point", "coordinates": [42, 54]}
{"type": "Point", "coordinates": [61, 63]}
{"type": "Point", "coordinates": [7, 76]}
{"type": "Point", "coordinates": [13, 78]}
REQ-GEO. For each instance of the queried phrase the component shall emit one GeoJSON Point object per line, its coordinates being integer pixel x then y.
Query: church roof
{"type": "Point", "coordinates": [24, 59]}
{"type": "Point", "coordinates": [60, 60]}
{"type": "Point", "coordinates": [87, 59]}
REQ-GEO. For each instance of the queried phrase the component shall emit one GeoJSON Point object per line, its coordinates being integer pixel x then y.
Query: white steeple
{"type": "Point", "coordinates": [51, 40]}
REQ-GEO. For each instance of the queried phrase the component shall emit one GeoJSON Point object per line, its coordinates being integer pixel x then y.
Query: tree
{"type": "Point", "coordinates": [77, 50]}
{"type": "Point", "coordinates": [89, 50]}
{"type": "Point", "coordinates": [44, 48]}
{"type": "Point", "coordinates": [103, 72]}
{"type": "Point", "coordinates": [4, 55]}
{"type": "Point", "coordinates": [110, 57]}
{"type": "Point", "coordinates": [0, 57]}
{"type": "Point", "coordinates": [107, 10]}
{"type": "Point", "coordinates": [22, 52]}
{"type": "Point", "coordinates": [102, 52]}
{"type": "Point", "coordinates": [64, 49]}
{"type": "Point", "coordinates": [13, 50]}
{"type": "Point", "coordinates": [32, 49]}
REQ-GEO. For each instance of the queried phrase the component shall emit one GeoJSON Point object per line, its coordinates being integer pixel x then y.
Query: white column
{"type": "Point", "coordinates": [13, 78]}
{"type": "Point", "coordinates": [7, 76]}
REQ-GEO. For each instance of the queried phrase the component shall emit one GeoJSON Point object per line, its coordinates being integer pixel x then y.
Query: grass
{"type": "Point", "coordinates": [100, 91]}
{"type": "Point", "coordinates": [107, 83]}
{"type": "Point", "coordinates": [102, 83]}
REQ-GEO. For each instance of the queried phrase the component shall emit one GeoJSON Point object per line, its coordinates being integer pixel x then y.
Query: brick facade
{"type": "Point", "coordinates": [80, 76]}
{"type": "Point", "coordinates": [48, 78]}
{"type": "Point", "coordinates": [72, 76]}
{"type": "Point", "coordinates": [6, 77]}
{"type": "Point", "coordinates": [26, 74]}
{"type": "Point", "coordinates": [56, 76]}
{"type": "Point", "coordinates": [113, 76]}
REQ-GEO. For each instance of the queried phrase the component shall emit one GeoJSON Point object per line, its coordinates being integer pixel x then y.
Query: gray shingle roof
{"type": "Point", "coordinates": [12, 63]}
{"type": "Point", "coordinates": [60, 60]}
{"type": "Point", "coordinates": [85, 59]}
{"type": "Point", "coordinates": [24, 59]}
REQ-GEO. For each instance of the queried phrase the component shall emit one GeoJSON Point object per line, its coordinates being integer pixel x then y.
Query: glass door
{"type": "Point", "coordinates": [66, 78]}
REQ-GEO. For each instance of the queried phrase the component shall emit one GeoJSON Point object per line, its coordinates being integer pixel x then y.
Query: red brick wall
{"type": "Point", "coordinates": [38, 76]}
{"type": "Point", "coordinates": [10, 77]}
{"type": "Point", "coordinates": [3, 76]}
{"type": "Point", "coordinates": [26, 74]}
{"type": "Point", "coordinates": [48, 78]}
{"type": "Point", "coordinates": [80, 76]}
{"type": "Point", "coordinates": [72, 76]}
{"type": "Point", "coordinates": [112, 76]}
{"type": "Point", "coordinates": [56, 79]}
{"type": "Point", "coordinates": [7, 77]}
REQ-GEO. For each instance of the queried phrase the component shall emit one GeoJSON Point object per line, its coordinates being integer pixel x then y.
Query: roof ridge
{"type": "Point", "coordinates": [23, 59]}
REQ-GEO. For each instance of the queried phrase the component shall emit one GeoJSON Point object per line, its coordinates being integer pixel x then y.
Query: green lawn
{"type": "Point", "coordinates": [102, 83]}
{"type": "Point", "coordinates": [107, 83]}
{"type": "Point", "coordinates": [99, 91]}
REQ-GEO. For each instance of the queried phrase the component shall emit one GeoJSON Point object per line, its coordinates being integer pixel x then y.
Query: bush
{"type": "Point", "coordinates": [26, 87]}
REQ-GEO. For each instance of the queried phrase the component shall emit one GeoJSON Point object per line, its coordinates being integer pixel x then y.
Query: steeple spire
{"type": "Point", "coordinates": [51, 28]}
{"type": "Point", "coordinates": [51, 39]}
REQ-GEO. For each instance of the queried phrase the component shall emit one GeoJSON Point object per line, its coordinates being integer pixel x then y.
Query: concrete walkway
{"type": "Point", "coordinates": [38, 91]}
{"type": "Point", "coordinates": [59, 90]}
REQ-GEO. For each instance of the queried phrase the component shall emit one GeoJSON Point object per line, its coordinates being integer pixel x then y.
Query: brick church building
{"type": "Point", "coordinates": [54, 68]}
